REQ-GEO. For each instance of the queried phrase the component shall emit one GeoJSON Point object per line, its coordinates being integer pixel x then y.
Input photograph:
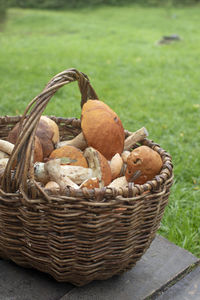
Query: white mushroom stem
{"type": "Point", "coordinates": [3, 162]}
{"type": "Point", "coordinates": [57, 174]}
{"type": "Point", "coordinates": [6, 147]}
{"type": "Point", "coordinates": [99, 165]}
{"type": "Point", "coordinates": [76, 173]}
{"type": "Point", "coordinates": [3, 154]}
{"type": "Point", "coordinates": [135, 137]}
{"type": "Point", "coordinates": [78, 142]}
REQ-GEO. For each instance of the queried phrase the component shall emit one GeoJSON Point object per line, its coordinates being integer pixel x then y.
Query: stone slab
{"type": "Point", "coordinates": [162, 263]}
{"type": "Point", "coordinates": [187, 288]}
{"type": "Point", "coordinates": [17, 283]}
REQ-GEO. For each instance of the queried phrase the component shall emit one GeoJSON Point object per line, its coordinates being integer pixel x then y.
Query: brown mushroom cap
{"type": "Point", "coordinates": [100, 166]}
{"type": "Point", "coordinates": [48, 133]}
{"type": "Point", "coordinates": [145, 160]}
{"type": "Point", "coordinates": [54, 127]}
{"type": "Point", "coordinates": [102, 128]}
{"type": "Point", "coordinates": [38, 151]}
{"type": "Point", "coordinates": [74, 156]}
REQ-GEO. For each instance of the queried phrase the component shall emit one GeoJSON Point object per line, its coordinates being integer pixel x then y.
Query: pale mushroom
{"type": "Point", "coordinates": [57, 174]}
{"type": "Point", "coordinates": [99, 165]}
{"type": "Point", "coordinates": [120, 182]}
{"type": "Point", "coordinates": [6, 147]}
{"type": "Point", "coordinates": [125, 155]}
{"type": "Point", "coordinates": [3, 155]}
{"type": "Point", "coordinates": [116, 166]}
{"type": "Point", "coordinates": [3, 162]}
{"type": "Point", "coordinates": [52, 186]}
{"type": "Point", "coordinates": [75, 173]}
{"type": "Point", "coordinates": [135, 137]}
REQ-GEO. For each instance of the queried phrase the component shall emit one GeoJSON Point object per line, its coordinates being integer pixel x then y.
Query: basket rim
{"type": "Point", "coordinates": [133, 190]}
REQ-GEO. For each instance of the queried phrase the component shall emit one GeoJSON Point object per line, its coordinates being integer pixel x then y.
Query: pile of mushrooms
{"type": "Point", "coordinates": [99, 156]}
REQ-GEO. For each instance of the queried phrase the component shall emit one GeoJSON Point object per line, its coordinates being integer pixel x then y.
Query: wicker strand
{"type": "Point", "coordinates": [24, 145]}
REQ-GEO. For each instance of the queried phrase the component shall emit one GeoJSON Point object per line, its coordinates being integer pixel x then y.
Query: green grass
{"type": "Point", "coordinates": [146, 84]}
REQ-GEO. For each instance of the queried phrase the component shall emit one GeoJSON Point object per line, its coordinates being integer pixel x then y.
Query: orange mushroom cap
{"type": "Point", "coordinates": [74, 156]}
{"type": "Point", "coordinates": [102, 128]}
{"type": "Point", "coordinates": [143, 161]}
{"type": "Point", "coordinates": [90, 183]}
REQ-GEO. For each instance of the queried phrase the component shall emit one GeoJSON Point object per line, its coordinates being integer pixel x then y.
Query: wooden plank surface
{"type": "Point", "coordinates": [17, 283]}
{"type": "Point", "coordinates": [188, 288]}
{"type": "Point", "coordinates": [162, 264]}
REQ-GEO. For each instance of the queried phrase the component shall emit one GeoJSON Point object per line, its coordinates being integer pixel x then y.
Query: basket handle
{"type": "Point", "coordinates": [22, 154]}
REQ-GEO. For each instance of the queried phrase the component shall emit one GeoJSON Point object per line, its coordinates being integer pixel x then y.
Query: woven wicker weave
{"type": "Point", "coordinates": [81, 235]}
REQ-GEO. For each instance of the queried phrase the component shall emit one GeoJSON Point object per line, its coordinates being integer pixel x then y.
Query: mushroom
{"type": "Point", "coordinates": [125, 155]}
{"type": "Point", "coordinates": [116, 166]}
{"type": "Point", "coordinates": [99, 165]}
{"type": "Point", "coordinates": [70, 155]}
{"type": "Point", "coordinates": [78, 142]}
{"type": "Point", "coordinates": [52, 186]}
{"type": "Point", "coordinates": [143, 164]}
{"type": "Point", "coordinates": [101, 129]}
{"type": "Point", "coordinates": [75, 173]}
{"type": "Point", "coordinates": [6, 147]}
{"type": "Point", "coordinates": [3, 155]}
{"type": "Point", "coordinates": [120, 182]}
{"type": "Point", "coordinates": [47, 135]}
{"type": "Point", "coordinates": [90, 183]}
{"type": "Point", "coordinates": [38, 152]}
{"type": "Point", "coordinates": [56, 173]}
{"type": "Point", "coordinates": [41, 173]}
{"type": "Point", "coordinates": [135, 137]}
{"type": "Point", "coordinates": [3, 162]}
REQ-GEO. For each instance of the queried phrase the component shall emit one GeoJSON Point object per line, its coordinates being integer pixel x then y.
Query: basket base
{"type": "Point", "coordinates": [160, 265]}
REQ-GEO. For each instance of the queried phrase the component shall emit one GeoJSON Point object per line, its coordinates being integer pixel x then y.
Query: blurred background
{"type": "Point", "coordinates": [142, 58]}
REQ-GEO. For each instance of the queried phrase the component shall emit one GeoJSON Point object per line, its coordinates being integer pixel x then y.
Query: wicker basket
{"type": "Point", "coordinates": [81, 235]}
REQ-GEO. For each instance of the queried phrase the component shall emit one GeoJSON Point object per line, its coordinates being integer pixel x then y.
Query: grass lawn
{"type": "Point", "coordinates": [147, 85]}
